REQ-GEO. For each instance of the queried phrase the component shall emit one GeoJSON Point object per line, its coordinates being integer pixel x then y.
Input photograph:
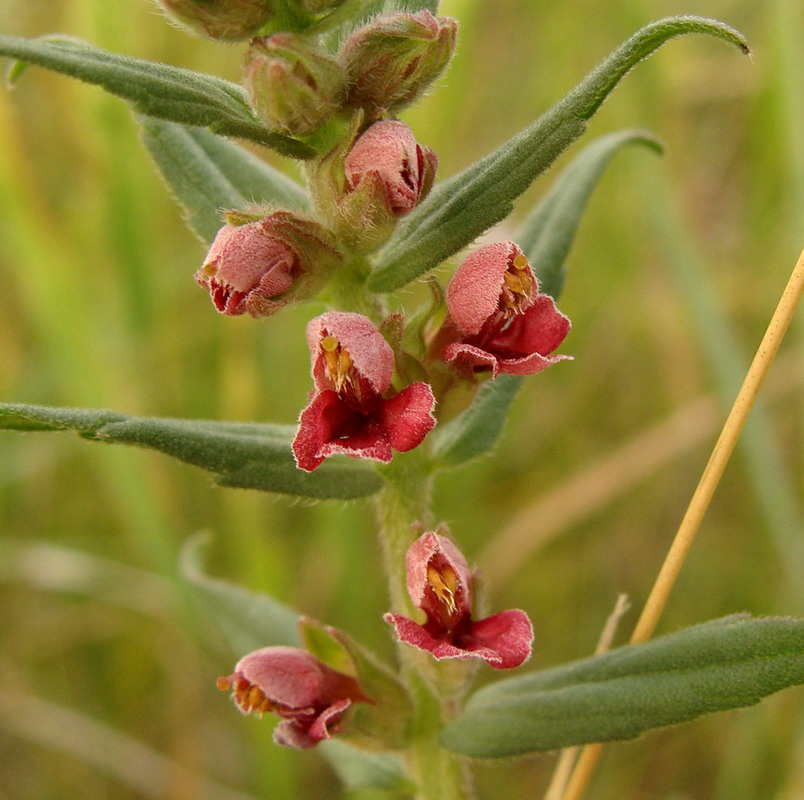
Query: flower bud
{"type": "Point", "coordinates": [294, 86]}
{"type": "Point", "coordinates": [229, 20]}
{"type": "Point", "coordinates": [261, 264]}
{"type": "Point", "coordinates": [392, 60]}
{"type": "Point", "coordinates": [373, 179]}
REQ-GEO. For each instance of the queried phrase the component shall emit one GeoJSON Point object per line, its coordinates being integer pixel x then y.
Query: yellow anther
{"type": "Point", "coordinates": [519, 262]}
{"type": "Point", "coordinates": [329, 344]}
{"type": "Point", "coordinates": [444, 583]}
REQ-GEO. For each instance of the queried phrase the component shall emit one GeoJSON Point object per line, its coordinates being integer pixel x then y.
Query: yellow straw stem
{"type": "Point", "coordinates": [710, 478]}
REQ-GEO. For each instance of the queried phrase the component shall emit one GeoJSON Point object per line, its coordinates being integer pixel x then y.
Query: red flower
{"type": "Point", "coordinates": [310, 697]}
{"type": "Point", "coordinates": [349, 412]}
{"type": "Point", "coordinates": [497, 318]}
{"type": "Point", "coordinates": [440, 584]}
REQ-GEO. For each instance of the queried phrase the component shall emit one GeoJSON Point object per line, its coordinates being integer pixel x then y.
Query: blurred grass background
{"type": "Point", "coordinates": [108, 680]}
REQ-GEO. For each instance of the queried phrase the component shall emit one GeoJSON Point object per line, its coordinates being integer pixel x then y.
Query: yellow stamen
{"type": "Point", "coordinates": [337, 363]}
{"type": "Point", "coordinates": [517, 285]}
{"type": "Point", "coordinates": [444, 583]}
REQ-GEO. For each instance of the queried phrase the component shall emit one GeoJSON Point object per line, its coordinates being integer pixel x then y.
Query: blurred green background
{"type": "Point", "coordinates": [108, 675]}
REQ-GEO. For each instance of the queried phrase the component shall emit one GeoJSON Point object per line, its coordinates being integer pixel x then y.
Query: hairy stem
{"type": "Point", "coordinates": [403, 511]}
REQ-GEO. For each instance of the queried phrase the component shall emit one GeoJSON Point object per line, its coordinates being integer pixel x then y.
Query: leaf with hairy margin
{"type": "Point", "coordinates": [727, 663]}
{"type": "Point", "coordinates": [463, 207]}
{"type": "Point", "coordinates": [208, 174]}
{"type": "Point", "coordinates": [240, 455]}
{"type": "Point", "coordinates": [158, 90]}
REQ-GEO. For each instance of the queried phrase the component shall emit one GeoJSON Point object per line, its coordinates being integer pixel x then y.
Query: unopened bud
{"type": "Point", "coordinates": [294, 86]}
{"type": "Point", "coordinates": [391, 61]}
{"type": "Point", "coordinates": [229, 20]}
{"type": "Point", "coordinates": [257, 265]}
{"type": "Point", "coordinates": [373, 179]}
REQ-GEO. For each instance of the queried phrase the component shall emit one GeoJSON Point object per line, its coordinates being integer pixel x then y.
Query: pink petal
{"type": "Point", "coordinates": [509, 635]}
{"type": "Point", "coordinates": [328, 720]}
{"type": "Point", "coordinates": [473, 293]}
{"type": "Point", "coordinates": [371, 355]}
{"type": "Point", "coordinates": [389, 150]}
{"type": "Point", "coordinates": [430, 547]}
{"type": "Point", "coordinates": [408, 417]}
{"type": "Point", "coordinates": [287, 675]}
{"type": "Point", "coordinates": [472, 357]}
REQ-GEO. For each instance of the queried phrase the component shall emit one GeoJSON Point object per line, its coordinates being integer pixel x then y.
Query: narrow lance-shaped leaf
{"type": "Point", "coordinates": [208, 174]}
{"type": "Point", "coordinates": [240, 455]}
{"type": "Point", "coordinates": [463, 207]}
{"type": "Point", "coordinates": [728, 663]}
{"type": "Point", "coordinates": [159, 90]}
{"type": "Point", "coordinates": [547, 233]}
{"type": "Point", "coordinates": [247, 620]}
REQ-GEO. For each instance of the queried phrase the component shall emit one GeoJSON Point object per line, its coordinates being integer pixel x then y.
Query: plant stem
{"type": "Point", "coordinates": [403, 511]}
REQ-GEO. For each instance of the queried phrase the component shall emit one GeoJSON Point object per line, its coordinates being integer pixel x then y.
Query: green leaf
{"type": "Point", "coordinates": [727, 663]}
{"type": "Point", "coordinates": [466, 205]}
{"type": "Point", "coordinates": [477, 430]}
{"type": "Point", "coordinates": [208, 174]}
{"type": "Point", "coordinates": [158, 90]}
{"type": "Point", "coordinates": [241, 455]}
{"type": "Point", "coordinates": [547, 233]}
{"type": "Point", "coordinates": [247, 620]}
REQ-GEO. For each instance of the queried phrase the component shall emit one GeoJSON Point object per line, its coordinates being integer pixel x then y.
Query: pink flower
{"type": "Point", "coordinates": [497, 318]}
{"type": "Point", "coordinates": [310, 697]}
{"type": "Point", "coordinates": [388, 154]}
{"type": "Point", "coordinates": [350, 411]}
{"type": "Point", "coordinates": [259, 264]}
{"type": "Point", "coordinates": [440, 584]}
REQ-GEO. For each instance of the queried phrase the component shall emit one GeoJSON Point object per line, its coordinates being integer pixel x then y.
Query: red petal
{"type": "Point", "coordinates": [541, 329]}
{"type": "Point", "coordinates": [409, 632]}
{"type": "Point", "coordinates": [509, 635]}
{"type": "Point", "coordinates": [326, 418]}
{"type": "Point", "coordinates": [408, 417]}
